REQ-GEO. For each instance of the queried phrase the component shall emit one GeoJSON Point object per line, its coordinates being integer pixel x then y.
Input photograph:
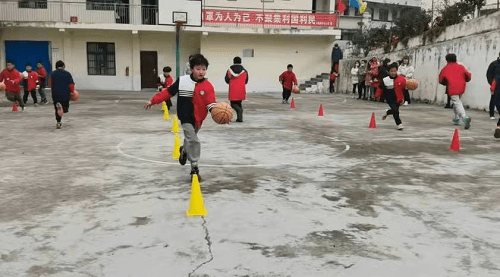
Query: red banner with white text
{"type": "Point", "coordinates": [268, 19]}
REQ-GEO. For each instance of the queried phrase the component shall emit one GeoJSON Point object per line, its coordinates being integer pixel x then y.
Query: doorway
{"type": "Point", "coordinates": [149, 69]}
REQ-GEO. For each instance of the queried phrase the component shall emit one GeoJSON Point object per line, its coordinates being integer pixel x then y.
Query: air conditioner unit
{"type": "Point", "coordinates": [73, 19]}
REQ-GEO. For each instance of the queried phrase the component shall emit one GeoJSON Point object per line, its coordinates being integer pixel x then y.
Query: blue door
{"type": "Point", "coordinates": [23, 52]}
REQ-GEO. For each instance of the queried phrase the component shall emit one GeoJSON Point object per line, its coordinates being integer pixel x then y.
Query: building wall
{"type": "Point", "coordinates": [256, 4]}
{"type": "Point", "coordinates": [309, 55]}
{"type": "Point", "coordinates": [475, 43]}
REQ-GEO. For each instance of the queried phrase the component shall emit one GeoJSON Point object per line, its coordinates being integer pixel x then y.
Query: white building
{"type": "Point", "coordinates": [118, 45]}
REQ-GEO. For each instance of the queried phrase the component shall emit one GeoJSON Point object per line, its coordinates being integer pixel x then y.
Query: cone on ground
{"type": "Point", "coordinates": [196, 207]}
{"type": "Point", "coordinates": [373, 125]}
{"type": "Point", "coordinates": [177, 145]}
{"type": "Point", "coordinates": [14, 107]}
{"type": "Point", "coordinates": [455, 142]}
{"type": "Point", "coordinates": [175, 125]}
{"type": "Point", "coordinates": [292, 104]}
{"type": "Point", "coordinates": [166, 114]}
{"type": "Point", "coordinates": [320, 112]}
{"type": "Point", "coordinates": [164, 106]}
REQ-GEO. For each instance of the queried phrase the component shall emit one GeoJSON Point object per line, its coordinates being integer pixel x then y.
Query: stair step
{"type": "Point", "coordinates": [304, 86]}
{"type": "Point", "coordinates": [317, 79]}
{"type": "Point", "coordinates": [310, 82]}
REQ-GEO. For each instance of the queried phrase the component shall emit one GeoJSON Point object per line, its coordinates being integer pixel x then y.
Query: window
{"type": "Point", "coordinates": [32, 4]}
{"type": "Point", "coordinates": [383, 14]}
{"type": "Point", "coordinates": [101, 58]}
{"type": "Point", "coordinates": [101, 5]}
{"type": "Point", "coordinates": [394, 15]}
{"type": "Point", "coordinates": [248, 53]}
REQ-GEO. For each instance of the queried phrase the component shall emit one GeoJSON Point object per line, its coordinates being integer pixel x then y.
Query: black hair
{"type": "Point", "coordinates": [167, 69]}
{"type": "Point", "coordinates": [237, 60]}
{"type": "Point", "coordinates": [289, 65]}
{"type": "Point", "coordinates": [357, 62]}
{"type": "Point", "coordinates": [336, 45]}
{"type": "Point", "coordinates": [198, 59]}
{"type": "Point", "coordinates": [59, 64]}
{"type": "Point", "coordinates": [9, 62]}
{"type": "Point", "coordinates": [28, 64]}
{"type": "Point", "coordinates": [365, 61]}
{"type": "Point", "coordinates": [451, 58]}
{"type": "Point", "coordinates": [393, 65]}
{"type": "Point", "coordinates": [40, 62]}
{"type": "Point", "coordinates": [386, 62]}
{"type": "Point", "coordinates": [190, 57]}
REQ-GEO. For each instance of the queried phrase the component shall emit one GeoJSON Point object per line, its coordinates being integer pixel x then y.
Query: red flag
{"type": "Point", "coordinates": [340, 6]}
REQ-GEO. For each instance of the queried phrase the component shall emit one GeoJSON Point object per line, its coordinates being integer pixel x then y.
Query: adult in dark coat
{"type": "Point", "coordinates": [336, 56]}
{"type": "Point", "coordinates": [492, 72]}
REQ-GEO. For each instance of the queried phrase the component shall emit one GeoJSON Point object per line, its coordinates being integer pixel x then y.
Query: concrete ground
{"type": "Point", "coordinates": [288, 193]}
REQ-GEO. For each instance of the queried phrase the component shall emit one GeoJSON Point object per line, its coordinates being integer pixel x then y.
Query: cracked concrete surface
{"type": "Point", "coordinates": [288, 193]}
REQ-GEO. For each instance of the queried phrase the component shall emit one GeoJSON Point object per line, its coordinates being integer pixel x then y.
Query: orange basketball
{"type": "Point", "coordinates": [411, 84]}
{"type": "Point", "coordinates": [2, 86]}
{"type": "Point", "coordinates": [296, 89]}
{"type": "Point", "coordinates": [222, 113]}
{"type": "Point", "coordinates": [74, 96]}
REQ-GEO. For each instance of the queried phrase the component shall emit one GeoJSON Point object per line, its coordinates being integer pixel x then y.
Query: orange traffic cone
{"type": "Point", "coordinates": [292, 104]}
{"type": "Point", "coordinates": [14, 107]}
{"type": "Point", "coordinates": [320, 112]}
{"type": "Point", "coordinates": [373, 125]}
{"type": "Point", "coordinates": [455, 143]}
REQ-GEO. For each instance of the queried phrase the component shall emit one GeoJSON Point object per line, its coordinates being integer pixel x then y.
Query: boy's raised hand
{"type": "Point", "coordinates": [148, 105]}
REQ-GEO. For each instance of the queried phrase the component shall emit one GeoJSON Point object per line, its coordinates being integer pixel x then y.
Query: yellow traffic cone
{"type": "Point", "coordinates": [164, 106]}
{"type": "Point", "coordinates": [196, 203]}
{"type": "Point", "coordinates": [177, 145]}
{"type": "Point", "coordinates": [175, 125]}
{"type": "Point", "coordinates": [166, 115]}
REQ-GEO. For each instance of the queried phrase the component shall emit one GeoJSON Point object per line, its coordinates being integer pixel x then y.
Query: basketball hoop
{"type": "Point", "coordinates": [179, 18]}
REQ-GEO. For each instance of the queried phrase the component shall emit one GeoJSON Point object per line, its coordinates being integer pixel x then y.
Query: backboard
{"type": "Point", "coordinates": [187, 11]}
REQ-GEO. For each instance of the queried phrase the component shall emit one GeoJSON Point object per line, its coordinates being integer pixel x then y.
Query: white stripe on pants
{"type": "Point", "coordinates": [458, 107]}
{"type": "Point", "coordinates": [192, 145]}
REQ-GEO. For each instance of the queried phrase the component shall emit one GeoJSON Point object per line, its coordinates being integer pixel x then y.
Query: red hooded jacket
{"type": "Point", "coordinates": [42, 75]}
{"type": "Point", "coordinates": [237, 78]}
{"type": "Point", "coordinates": [32, 80]}
{"type": "Point", "coordinates": [454, 76]}
{"type": "Point", "coordinates": [12, 79]}
{"type": "Point", "coordinates": [288, 78]}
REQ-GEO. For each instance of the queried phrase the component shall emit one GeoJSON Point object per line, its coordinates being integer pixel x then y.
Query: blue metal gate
{"type": "Point", "coordinates": [23, 52]}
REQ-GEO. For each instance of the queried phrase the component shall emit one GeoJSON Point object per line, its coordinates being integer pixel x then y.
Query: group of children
{"type": "Point", "coordinates": [60, 81]}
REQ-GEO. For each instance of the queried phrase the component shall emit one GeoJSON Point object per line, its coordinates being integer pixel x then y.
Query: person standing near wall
{"type": "Point", "coordinates": [336, 56]}
{"type": "Point", "coordinates": [355, 78]}
{"type": "Point", "coordinates": [406, 70]}
{"type": "Point", "coordinates": [42, 76]}
{"type": "Point", "coordinates": [455, 76]}
{"type": "Point", "coordinates": [372, 77]}
{"type": "Point", "coordinates": [495, 90]}
{"type": "Point", "coordinates": [492, 72]}
{"type": "Point", "coordinates": [361, 80]}
{"type": "Point", "coordinates": [333, 77]}
{"type": "Point", "coordinates": [165, 81]}
{"type": "Point", "coordinates": [237, 78]}
{"type": "Point", "coordinates": [187, 67]}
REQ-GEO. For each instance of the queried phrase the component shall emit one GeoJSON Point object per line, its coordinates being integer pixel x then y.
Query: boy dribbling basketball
{"type": "Point", "coordinates": [196, 97]}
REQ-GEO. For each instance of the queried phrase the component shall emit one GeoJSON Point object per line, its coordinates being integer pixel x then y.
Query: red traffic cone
{"type": "Point", "coordinates": [455, 143]}
{"type": "Point", "coordinates": [14, 107]}
{"type": "Point", "coordinates": [292, 104]}
{"type": "Point", "coordinates": [320, 112]}
{"type": "Point", "coordinates": [373, 125]}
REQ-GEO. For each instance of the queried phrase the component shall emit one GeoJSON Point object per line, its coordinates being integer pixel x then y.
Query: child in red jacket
{"type": "Point", "coordinates": [495, 89]}
{"type": "Point", "coordinates": [287, 80]}
{"type": "Point", "coordinates": [333, 78]}
{"type": "Point", "coordinates": [394, 86]}
{"type": "Point", "coordinates": [42, 77]}
{"type": "Point", "coordinates": [196, 97]}
{"type": "Point", "coordinates": [31, 85]}
{"type": "Point", "coordinates": [455, 76]}
{"type": "Point", "coordinates": [165, 81]}
{"type": "Point", "coordinates": [12, 78]}
{"type": "Point", "coordinates": [237, 78]}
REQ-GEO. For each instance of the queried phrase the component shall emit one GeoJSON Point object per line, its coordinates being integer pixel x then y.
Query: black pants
{"type": "Point", "coordinates": [496, 103]}
{"type": "Point", "coordinates": [407, 96]}
{"type": "Point", "coordinates": [492, 106]}
{"type": "Point", "coordinates": [42, 92]}
{"type": "Point", "coordinates": [354, 86]}
{"type": "Point", "coordinates": [33, 95]}
{"type": "Point", "coordinates": [236, 105]}
{"type": "Point", "coordinates": [65, 105]}
{"type": "Point", "coordinates": [286, 94]}
{"type": "Point", "coordinates": [168, 102]}
{"type": "Point", "coordinates": [390, 97]}
{"type": "Point", "coordinates": [361, 90]}
{"type": "Point", "coordinates": [448, 102]}
{"type": "Point", "coordinates": [332, 86]}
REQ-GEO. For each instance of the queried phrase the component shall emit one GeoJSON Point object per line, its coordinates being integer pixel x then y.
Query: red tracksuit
{"type": "Point", "coordinates": [454, 76]}
{"type": "Point", "coordinates": [42, 75]}
{"type": "Point", "coordinates": [32, 81]}
{"type": "Point", "coordinates": [12, 80]}
{"type": "Point", "coordinates": [288, 79]}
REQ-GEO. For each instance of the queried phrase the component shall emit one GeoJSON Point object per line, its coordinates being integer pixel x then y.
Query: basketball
{"type": "Point", "coordinates": [74, 96]}
{"type": "Point", "coordinates": [2, 86]}
{"type": "Point", "coordinates": [411, 84]}
{"type": "Point", "coordinates": [296, 89]}
{"type": "Point", "coordinates": [222, 113]}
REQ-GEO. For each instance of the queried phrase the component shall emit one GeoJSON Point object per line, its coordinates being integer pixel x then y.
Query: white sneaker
{"type": "Point", "coordinates": [385, 115]}
{"type": "Point", "coordinates": [23, 109]}
{"type": "Point", "coordinates": [405, 103]}
{"type": "Point", "coordinates": [400, 127]}
{"type": "Point", "coordinates": [492, 117]}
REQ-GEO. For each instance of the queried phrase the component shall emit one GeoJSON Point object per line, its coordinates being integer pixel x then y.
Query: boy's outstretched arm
{"type": "Point", "coordinates": [163, 95]}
